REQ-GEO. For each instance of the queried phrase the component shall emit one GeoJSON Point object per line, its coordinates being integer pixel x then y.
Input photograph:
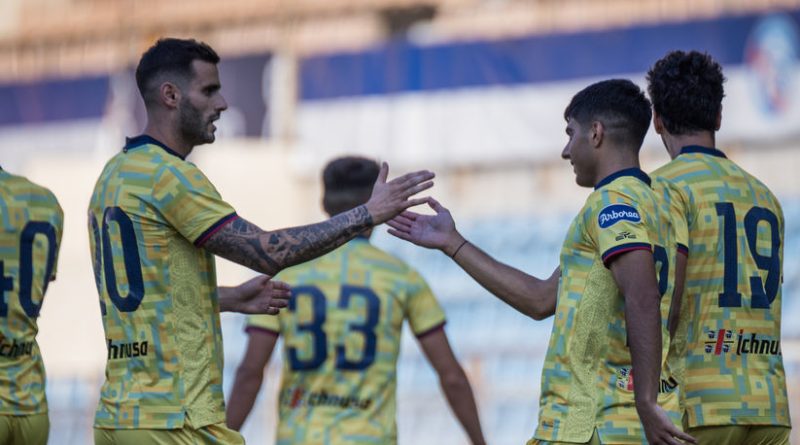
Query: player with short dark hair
{"type": "Point", "coordinates": [612, 300]}
{"type": "Point", "coordinates": [31, 225]}
{"type": "Point", "coordinates": [730, 229]}
{"type": "Point", "coordinates": [342, 337]}
{"type": "Point", "coordinates": [155, 224]}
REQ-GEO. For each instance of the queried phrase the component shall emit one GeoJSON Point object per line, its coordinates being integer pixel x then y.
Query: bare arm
{"type": "Point", "coordinates": [259, 295]}
{"type": "Point", "coordinates": [269, 252]}
{"type": "Point", "coordinates": [532, 296]}
{"type": "Point", "coordinates": [249, 376]}
{"type": "Point", "coordinates": [677, 297]}
{"type": "Point", "coordinates": [454, 383]}
{"type": "Point", "coordinates": [635, 275]}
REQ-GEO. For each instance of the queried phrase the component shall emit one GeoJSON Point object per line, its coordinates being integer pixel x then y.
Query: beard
{"type": "Point", "coordinates": [193, 128]}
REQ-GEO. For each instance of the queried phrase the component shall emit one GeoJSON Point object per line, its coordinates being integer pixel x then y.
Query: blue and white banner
{"type": "Point", "coordinates": [503, 101]}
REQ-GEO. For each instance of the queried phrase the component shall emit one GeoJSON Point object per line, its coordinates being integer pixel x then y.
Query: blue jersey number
{"type": "Point", "coordinates": [348, 296]}
{"type": "Point", "coordinates": [763, 293]}
{"type": "Point", "coordinates": [29, 232]}
{"type": "Point", "coordinates": [662, 267]}
{"type": "Point", "coordinates": [104, 258]}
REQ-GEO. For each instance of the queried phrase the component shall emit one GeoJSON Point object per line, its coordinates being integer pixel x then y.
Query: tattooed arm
{"type": "Point", "coordinates": [269, 252]}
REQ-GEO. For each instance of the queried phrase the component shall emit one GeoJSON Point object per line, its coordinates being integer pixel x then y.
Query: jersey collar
{"type": "Point", "coordinates": [633, 171]}
{"type": "Point", "coordinates": [702, 150]}
{"type": "Point", "coordinates": [143, 139]}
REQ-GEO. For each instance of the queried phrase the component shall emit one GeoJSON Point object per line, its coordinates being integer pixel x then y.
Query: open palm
{"type": "Point", "coordinates": [432, 231]}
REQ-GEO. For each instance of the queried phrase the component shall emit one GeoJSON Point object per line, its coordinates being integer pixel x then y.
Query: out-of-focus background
{"type": "Point", "coordinates": [473, 89]}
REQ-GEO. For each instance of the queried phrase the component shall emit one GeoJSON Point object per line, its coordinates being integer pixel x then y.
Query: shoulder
{"type": "Point", "coordinates": [668, 170]}
{"type": "Point", "coordinates": [764, 195]}
{"type": "Point", "coordinates": [25, 189]}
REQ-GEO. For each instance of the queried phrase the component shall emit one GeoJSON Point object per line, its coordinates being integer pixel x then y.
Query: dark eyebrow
{"type": "Point", "coordinates": [212, 87]}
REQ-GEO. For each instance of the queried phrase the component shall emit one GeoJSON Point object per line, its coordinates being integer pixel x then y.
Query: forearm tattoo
{"type": "Point", "coordinates": [269, 252]}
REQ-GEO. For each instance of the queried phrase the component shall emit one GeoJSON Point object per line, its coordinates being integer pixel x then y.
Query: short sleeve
{"type": "Point", "coordinates": [58, 223]}
{"type": "Point", "coordinates": [424, 313]}
{"type": "Point", "coordinates": [190, 203]}
{"type": "Point", "coordinates": [269, 324]}
{"type": "Point", "coordinates": [675, 203]}
{"type": "Point", "coordinates": [617, 226]}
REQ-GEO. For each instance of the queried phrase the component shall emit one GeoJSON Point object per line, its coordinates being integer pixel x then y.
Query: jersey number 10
{"type": "Point", "coordinates": [104, 257]}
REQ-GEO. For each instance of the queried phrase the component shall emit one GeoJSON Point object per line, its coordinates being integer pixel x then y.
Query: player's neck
{"type": "Point", "coordinates": [615, 160]}
{"type": "Point", "coordinates": [675, 143]}
{"type": "Point", "coordinates": [169, 138]}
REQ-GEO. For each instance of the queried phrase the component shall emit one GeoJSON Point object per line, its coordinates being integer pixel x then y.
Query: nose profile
{"type": "Point", "coordinates": [565, 152]}
{"type": "Point", "coordinates": [223, 104]}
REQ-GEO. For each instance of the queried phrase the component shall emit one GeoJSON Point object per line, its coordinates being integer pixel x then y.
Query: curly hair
{"type": "Point", "coordinates": [619, 103]}
{"type": "Point", "coordinates": [686, 90]}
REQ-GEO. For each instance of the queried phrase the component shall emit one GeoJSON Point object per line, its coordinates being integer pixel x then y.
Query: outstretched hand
{"type": "Point", "coordinates": [390, 198]}
{"type": "Point", "coordinates": [436, 231]}
{"type": "Point", "coordinates": [659, 430]}
{"type": "Point", "coordinates": [261, 295]}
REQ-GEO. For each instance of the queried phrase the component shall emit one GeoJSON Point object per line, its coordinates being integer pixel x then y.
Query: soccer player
{"type": "Point", "coordinates": [731, 228]}
{"type": "Point", "coordinates": [342, 337]}
{"type": "Point", "coordinates": [30, 235]}
{"type": "Point", "coordinates": [155, 222]}
{"type": "Point", "coordinates": [609, 314]}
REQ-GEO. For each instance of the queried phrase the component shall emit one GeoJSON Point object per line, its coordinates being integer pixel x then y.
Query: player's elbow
{"type": "Point", "coordinates": [249, 376]}
{"type": "Point", "coordinates": [537, 312]}
{"type": "Point", "coordinates": [454, 379]}
{"type": "Point", "coordinates": [538, 316]}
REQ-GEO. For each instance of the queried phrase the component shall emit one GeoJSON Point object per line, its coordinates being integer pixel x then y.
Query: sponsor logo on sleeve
{"type": "Point", "coordinates": [625, 235]}
{"type": "Point", "coordinates": [615, 213]}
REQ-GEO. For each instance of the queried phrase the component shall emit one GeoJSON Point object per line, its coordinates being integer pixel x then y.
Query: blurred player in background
{"type": "Point", "coordinates": [609, 315]}
{"type": "Point", "coordinates": [32, 225]}
{"type": "Point", "coordinates": [731, 230]}
{"type": "Point", "coordinates": [342, 336]}
{"type": "Point", "coordinates": [155, 222]}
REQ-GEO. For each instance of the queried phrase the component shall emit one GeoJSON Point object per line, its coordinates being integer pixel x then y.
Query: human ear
{"type": "Point", "coordinates": [170, 94]}
{"type": "Point", "coordinates": [597, 133]}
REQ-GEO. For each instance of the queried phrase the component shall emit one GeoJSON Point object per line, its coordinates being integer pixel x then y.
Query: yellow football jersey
{"type": "Point", "coordinates": [32, 224]}
{"type": "Point", "coordinates": [587, 378]}
{"type": "Point", "coordinates": [341, 335]}
{"type": "Point", "coordinates": [731, 313]}
{"type": "Point", "coordinates": [150, 212]}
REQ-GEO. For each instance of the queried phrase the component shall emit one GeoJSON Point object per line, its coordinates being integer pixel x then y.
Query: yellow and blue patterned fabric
{"type": "Point", "coordinates": [149, 215]}
{"type": "Point", "coordinates": [32, 224]}
{"type": "Point", "coordinates": [731, 312]}
{"type": "Point", "coordinates": [341, 335]}
{"type": "Point", "coordinates": [587, 378]}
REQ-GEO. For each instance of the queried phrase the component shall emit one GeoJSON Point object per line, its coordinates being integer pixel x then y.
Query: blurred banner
{"type": "Point", "coordinates": [90, 114]}
{"type": "Point", "coordinates": [470, 102]}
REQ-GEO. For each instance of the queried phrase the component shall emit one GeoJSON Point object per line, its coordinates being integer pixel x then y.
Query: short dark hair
{"type": "Point", "coordinates": [170, 57]}
{"type": "Point", "coordinates": [686, 90]}
{"type": "Point", "coordinates": [619, 104]}
{"type": "Point", "coordinates": [348, 183]}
